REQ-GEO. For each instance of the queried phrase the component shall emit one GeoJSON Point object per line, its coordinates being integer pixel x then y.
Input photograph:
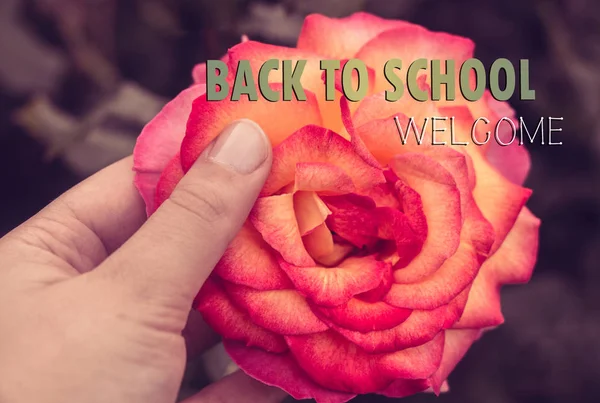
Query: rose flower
{"type": "Point", "coordinates": [366, 265]}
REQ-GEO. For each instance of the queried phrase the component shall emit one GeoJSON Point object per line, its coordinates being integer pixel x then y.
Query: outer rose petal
{"type": "Point", "coordinates": [515, 264]}
{"type": "Point", "coordinates": [199, 73]}
{"type": "Point", "coordinates": [342, 366]}
{"type": "Point", "coordinates": [277, 119]}
{"type": "Point", "coordinates": [282, 371]}
{"type": "Point", "coordinates": [405, 387]}
{"type": "Point", "coordinates": [169, 178]}
{"type": "Point", "coordinates": [316, 144]}
{"type": "Point", "coordinates": [269, 308]}
{"type": "Point", "coordinates": [420, 327]}
{"type": "Point", "coordinates": [455, 347]}
{"type": "Point", "coordinates": [363, 316]}
{"type": "Point", "coordinates": [229, 321]}
{"type": "Point", "coordinates": [257, 53]}
{"type": "Point", "coordinates": [357, 142]}
{"type": "Point", "coordinates": [335, 286]}
{"type": "Point", "coordinates": [483, 308]}
{"type": "Point", "coordinates": [251, 262]}
{"type": "Point", "coordinates": [275, 219]}
{"type": "Point", "coordinates": [512, 263]}
{"type": "Point", "coordinates": [410, 43]}
{"type": "Point", "coordinates": [500, 200]}
{"type": "Point", "coordinates": [383, 140]}
{"type": "Point", "coordinates": [512, 161]}
{"type": "Point", "coordinates": [504, 152]}
{"type": "Point", "coordinates": [376, 107]}
{"type": "Point", "coordinates": [159, 142]}
{"type": "Point", "coordinates": [341, 38]}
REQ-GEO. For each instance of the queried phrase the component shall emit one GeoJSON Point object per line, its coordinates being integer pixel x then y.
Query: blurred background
{"type": "Point", "coordinates": [80, 78]}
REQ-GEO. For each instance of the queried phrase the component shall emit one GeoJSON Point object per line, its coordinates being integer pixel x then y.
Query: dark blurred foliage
{"type": "Point", "coordinates": [78, 80]}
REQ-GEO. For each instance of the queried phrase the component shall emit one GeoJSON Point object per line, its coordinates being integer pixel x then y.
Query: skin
{"type": "Point", "coordinates": [95, 299]}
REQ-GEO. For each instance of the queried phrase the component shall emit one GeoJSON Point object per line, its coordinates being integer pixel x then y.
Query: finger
{"type": "Point", "coordinates": [108, 203]}
{"type": "Point", "coordinates": [89, 221]}
{"type": "Point", "coordinates": [175, 250]}
{"type": "Point", "coordinates": [238, 388]}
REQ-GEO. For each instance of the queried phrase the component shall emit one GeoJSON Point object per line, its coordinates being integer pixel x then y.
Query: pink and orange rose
{"type": "Point", "coordinates": [366, 265]}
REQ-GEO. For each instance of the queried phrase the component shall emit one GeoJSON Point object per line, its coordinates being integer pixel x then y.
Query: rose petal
{"type": "Point", "coordinates": [376, 107]}
{"type": "Point", "coordinates": [199, 70]}
{"type": "Point", "coordinates": [353, 218]}
{"type": "Point", "coordinates": [257, 53]}
{"type": "Point", "coordinates": [395, 225]}
{"type": "Point", "coordinates": [251, 262]}
{"type": "Point", "coordinates": [384, 140]}
{"type": "Point", "coordinates": [169, 178]}
{"type": "Point", "coordinates": [357, 142]}
{"type": "Point", "coordinates": [277, 119]}
{"type": "Point", "coordinates": [342, 366]}
{"type": "Point", "coordinates": [412, 206]}
{"type": "Point", "coordinates": [281, 311]}
{"type": "Point", "coordinates": [316, 144]}
{"type": "Point", "coordinates": [384, 195]}
{"type": "Point", "coordinates": [441, 206]}
{"type": "Point", "coordinates": [512, 263]}
{"type": "Point", "coordinates": [199, 73]}
{"type": "Point", "coordinates": [455, 274]}
{"type": "Point", "coordinates": [232, 323]}
{"type": "Point", "coordinates": [362, 316]}
{"type": "Point", "coordinates": [456, 307]}
{"type": "Point", "coordinates": [159, 142]}
{"type": "Point", "coordinates": [377, 293]}
{"type": "Point", "coordinates": [310, 211]}
{"type": "Point", "coordinates": [420, 327]}
{"type": "Point", "coordinates": [344, 36]}
{"type": "Point", "coordinates": [499, 199]}
{"type": "Point", "coordinates": [416, 43]}
{"type": "Point", "coordinates": [515, 264]}
{"type": "Point", "coordinates": [319, 242]}
{"type": "Point", "coordinates": [321, 246]}
{"type": "Point", "coordinates": [512, 161]}
{"type": "Point", "coordinates": [354, 79]}
{"type": "Point", "coordinates": [282, 371]}
{"type": "Point", "coordinates": [335, 286]}
{"type": "Point", "coordinates": [456, 345]}
{"type": "Point", "coordinates": [405, 387]}
{"type": "Point", "coordinates": [322, 177]}
{"type": "Point", "coordinates": [275, 219]}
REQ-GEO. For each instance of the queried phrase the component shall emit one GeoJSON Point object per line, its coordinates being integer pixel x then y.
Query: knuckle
{"type": "Point", "coordinates": [205, 203]}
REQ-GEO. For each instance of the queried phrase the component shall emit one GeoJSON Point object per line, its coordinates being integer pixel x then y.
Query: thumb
{"type": "Point", "coordinates": [173, 253]}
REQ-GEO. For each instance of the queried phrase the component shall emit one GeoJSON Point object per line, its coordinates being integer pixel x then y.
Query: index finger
{"type": "Point", "coordinates": [88, 222]}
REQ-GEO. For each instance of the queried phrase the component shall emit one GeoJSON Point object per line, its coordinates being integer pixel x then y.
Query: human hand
{"type": "Point", "coordinates": [93, 301]}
